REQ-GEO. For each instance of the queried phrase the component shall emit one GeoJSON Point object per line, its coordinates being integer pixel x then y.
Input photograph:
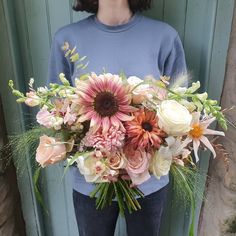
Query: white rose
{"type": "Point", "coordinates": [174, 118]}
{"type": "Point", "coordinates": [161, 162]}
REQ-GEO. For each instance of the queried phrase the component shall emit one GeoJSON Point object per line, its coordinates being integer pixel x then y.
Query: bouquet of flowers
{"type": "Point", "coordinates": [119, 131]}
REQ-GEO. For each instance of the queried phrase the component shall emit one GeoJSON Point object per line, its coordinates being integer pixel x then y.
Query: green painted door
{"type": "Point", "coordinates": [26, 31]}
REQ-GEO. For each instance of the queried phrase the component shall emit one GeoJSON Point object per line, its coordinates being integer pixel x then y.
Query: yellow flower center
{"type": "Point", "coordinates": [196, 131]}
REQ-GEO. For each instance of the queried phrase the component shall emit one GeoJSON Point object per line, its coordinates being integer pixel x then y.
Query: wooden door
{"type": "Point", "coordinates": [26, 32]}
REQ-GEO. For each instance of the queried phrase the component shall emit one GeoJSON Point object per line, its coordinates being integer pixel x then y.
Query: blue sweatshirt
{"type": "Point", "coordinates": [141, 47]}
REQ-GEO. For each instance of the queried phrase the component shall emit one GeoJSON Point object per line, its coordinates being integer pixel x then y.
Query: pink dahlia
{"type": "Point", "coordinates": [105, 101]}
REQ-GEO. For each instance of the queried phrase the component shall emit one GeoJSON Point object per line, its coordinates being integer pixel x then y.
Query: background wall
{"type": "Point", "coordinates": [204, 27]}
{"type": "Point", "coordinates": [221, 190]}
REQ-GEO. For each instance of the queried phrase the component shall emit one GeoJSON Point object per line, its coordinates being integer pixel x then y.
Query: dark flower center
{"type": "Point", "coordinates": [147, 126]}
{"type": "Point", "coordinates": [106, 104]}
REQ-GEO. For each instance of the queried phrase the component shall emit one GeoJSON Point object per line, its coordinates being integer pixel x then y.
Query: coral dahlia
{"type": "Point", "coordinates": [143, 131]}
{"type": "Point", "coordinates": [105, 101]}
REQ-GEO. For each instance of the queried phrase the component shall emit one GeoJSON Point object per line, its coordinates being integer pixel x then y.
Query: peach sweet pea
{"type": "Point", "coordinates": [50, 151]}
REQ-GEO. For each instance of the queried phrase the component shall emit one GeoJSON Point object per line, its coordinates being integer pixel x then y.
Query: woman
{"type": "Point", "coordinates": [118, 39]}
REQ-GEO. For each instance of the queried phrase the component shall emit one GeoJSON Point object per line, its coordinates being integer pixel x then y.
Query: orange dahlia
{"type": "Point", "coordinates": [143, 131]}
{"type": "Point", "coordinates": [105, 101]}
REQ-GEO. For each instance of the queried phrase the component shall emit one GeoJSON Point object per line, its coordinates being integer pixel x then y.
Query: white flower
{"type": "Point", "coordinates": [57, 122]}
{"type": "Point", "coordinates": [189, 105]}
{"type": "Point", "coordinates": [161, 162]}
{"type": "Point", "coordinates": [194, 87]}
{"type": "Point", "coordinates": [140, 91]}
{"type": "Point", "coordinates": [180, 90]}
{"type": "Point", "coordinates": [174, 118]}
{"type": "Point", "coordinates": [199, 128]}
{"type": "Point", "coordinates": [164, 157]}
{"type": "Point", "coordinates": [42, 90]}
{"type": "Point", "coordinates": [91, 167]}
{"type": "Point", "coordinates": [202, 96]}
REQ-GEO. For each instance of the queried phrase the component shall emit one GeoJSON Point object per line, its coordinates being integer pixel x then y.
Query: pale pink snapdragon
{"type": "Point", "coordinates": [49, 120]}
{"type": "Point", "coordinates": [44, 117]}
{"type": "Point", "coordinates": [32, 99]}
{"type": "Point", "coordinates": [69, 117]}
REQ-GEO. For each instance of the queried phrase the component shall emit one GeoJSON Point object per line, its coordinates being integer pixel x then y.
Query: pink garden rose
{"type": "Point", "coordinates": [138, 164]}
{"type": "Point", "coordinates": [50, 151]}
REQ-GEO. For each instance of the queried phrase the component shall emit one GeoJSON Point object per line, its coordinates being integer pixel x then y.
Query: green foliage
{"type": "Point", "coordinates": [186, 181]}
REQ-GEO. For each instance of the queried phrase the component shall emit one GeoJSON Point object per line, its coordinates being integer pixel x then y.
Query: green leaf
{"type": "Point", "coordinates": [83, 58]}
{"type": "Point", "coordinates": [85, 66]}
{"type": "Point", "coordinates": [119, 200]}
{"type": "Point", "coordinates": [36, 189]}
{"type": "Point", "coordinates": [69, 163]}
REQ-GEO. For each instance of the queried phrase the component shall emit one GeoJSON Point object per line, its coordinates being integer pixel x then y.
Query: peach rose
{"type": "Point", "coordinates": [50, 151]}
{"type": "Point", "coordinates": [117, 161]}
{"type": "Point", "coordinates": [137, 165]}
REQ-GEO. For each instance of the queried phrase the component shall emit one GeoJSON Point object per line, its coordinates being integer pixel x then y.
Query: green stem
{"type": "Point", "coordinates": [119, 200]}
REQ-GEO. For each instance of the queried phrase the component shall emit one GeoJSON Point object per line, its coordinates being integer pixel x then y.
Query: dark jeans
{"type": "Point", "coordinates": [145, 222]}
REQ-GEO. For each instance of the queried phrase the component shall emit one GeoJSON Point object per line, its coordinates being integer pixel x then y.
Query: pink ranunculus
{"type": "Point", "coordinates": [32, 99]}
{"type": "Point", "coordinates": [50, 151]}
{"type": "Point", "coordinates": [44, 117]}
{"type": "Point", "coordinates": [137, 165]}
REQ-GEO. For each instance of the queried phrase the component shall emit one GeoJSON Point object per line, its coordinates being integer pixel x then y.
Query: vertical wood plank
{"type": "Point", "coordinates": [58, 14]}
{"type": "Point", "coordinates": [39, 41]}
{"type": "Point", "coordinates": [157, 10]}
{"type": "Point", "coordinates": [198, 38]}
{"type": "Point", "coordinates": [205, 45]}
{"type": "Point", "coordinates": [220, 47]}
{"type": "Point", "coordinates": [199, 31]}
{"type": "Point", "coordinates": [175, 15]}
{"type": "Point", "coordinates": [43, 19]}
{"type": "Point", "coordinates": [11, 68]}
{"type": "Point", "coordinates": [215, 80]}
{"type": "Point", "coordinates": [58, 196]}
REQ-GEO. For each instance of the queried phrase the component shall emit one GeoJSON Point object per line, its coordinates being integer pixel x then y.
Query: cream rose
{"type": "Point", "coordinates": [50, 151]}
{"type": "Point", "coordinates": [174, 118]}
{"type": "Point", "coordinates": [141, 92]}
{"type": "Point", "coordinates": [161, 162]}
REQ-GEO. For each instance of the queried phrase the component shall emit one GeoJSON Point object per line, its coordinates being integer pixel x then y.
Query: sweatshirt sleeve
{"type": "Point", "coordinates": [175, 63]}
{"type": "Point", "coordinates": [58, 63]}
